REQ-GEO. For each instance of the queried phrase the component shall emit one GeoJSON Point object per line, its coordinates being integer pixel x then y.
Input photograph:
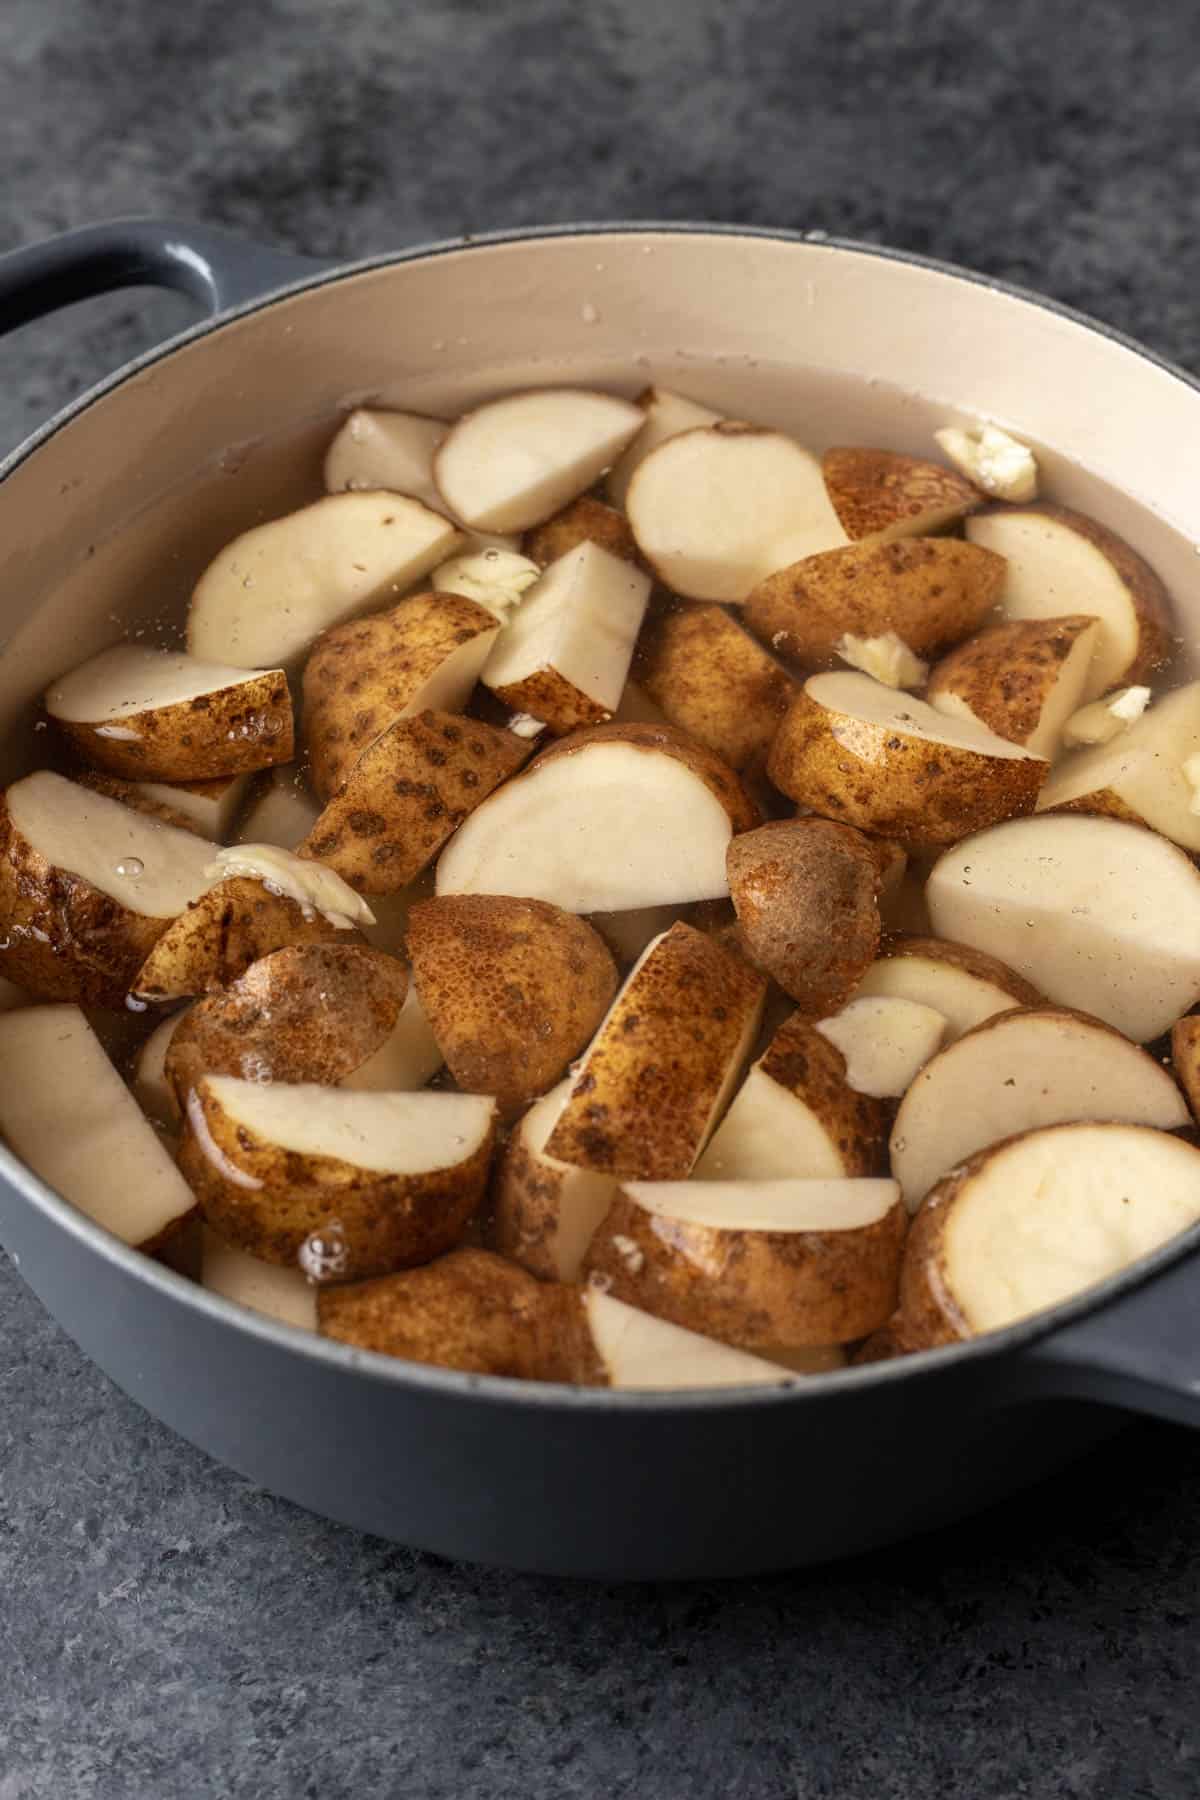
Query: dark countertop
{"type": "Point", "coordinates": [167, 1630]}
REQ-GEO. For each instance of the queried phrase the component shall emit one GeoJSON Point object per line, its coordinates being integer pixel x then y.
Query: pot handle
{"type": "Point", "coordinates": [210, 266]}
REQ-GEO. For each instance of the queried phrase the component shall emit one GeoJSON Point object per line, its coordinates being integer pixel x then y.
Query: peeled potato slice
{"type": "Point", "coordinates": [709, 677]}
{"type": "Point", "coordinates": [881, 495]}
{"type": "Point", "coordinates": [1139, 776]}
{"type": "Point", "coordinates": [885, 1042]}
{"type": "Point", "coordinates": [1022, 680]}
{"type": "Point", "coordinates": [544, 1211]}
{"type": "Point", "coordinates": [964, 986]}
{"type": "Point", "coordinates": [666, 414]}
{"type": "Point", "coordinates": [283, 1294]}
{"type": "Point", "coordinates": [1029, 1223]}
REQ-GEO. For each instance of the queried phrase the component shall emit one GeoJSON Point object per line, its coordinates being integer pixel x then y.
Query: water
{"type": "Point", "coordinates": [131, 866]}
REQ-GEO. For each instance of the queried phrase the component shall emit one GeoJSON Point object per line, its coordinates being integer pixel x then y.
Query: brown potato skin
{"type": "Point", "coordinates": [217, 937]}
{"type": "Point", "coordinates": [806, 891]}
{"type": "Point", "coordinates": [930, 591]}
{"type": "Point", "coordinates": [804, 1062]}
{"type": "Point", "coordinates": [1103, 803]}
{"type": "Point", "coordinates": [971, 962]}
{"type": "Point", "coordinates": [308, 1012]}
{"type": "Point", "coordinates": [524, 1209]}
{"type": "Point", "coordinates": [713, 681]}
{"type": "Point", "coordinates": [388, 1221]}
{"type": "Point", "coordinates": [884, 1345]}
{"type": "Point", "coordinates": [549, 696]}
{"type": "Point", "coordinates": [1185, 1058]}
{"type": "Point", "coordinates": [928, 1313]}
{"type": "Point", "coordinates": [754, 1289]}
{"type": "Point", "coordinates": [513, 989]}
{"type": "Point", "coordinates": [927, 796]}
{"type": "Point", "coordinates": [717, 776]}
{"type": "Point", "coordinates": [231, 732]}
{"type": "Point", "coordinates": [881, 490]}
{"type": "Point", "coordinates": [1007, 673]}
{"type": "Point", "coordinates": [586, 521]}
{"type": "Point", "coordinates": [641, 1106]}
{"type": "Point", "coordinates": [408, 792]}
{"type": "Point", "coordinates": [361, 675]}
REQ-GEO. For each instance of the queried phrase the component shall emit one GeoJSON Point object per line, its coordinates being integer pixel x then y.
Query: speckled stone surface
{"type": "Point", "coordinates": [166, 1630]}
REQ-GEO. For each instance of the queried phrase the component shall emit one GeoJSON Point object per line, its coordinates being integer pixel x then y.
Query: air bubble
{"type": "Point", "coordinates": [132, 866]}
{"type": "Point", "coordinates": [589, 313]}
{"type": "Point", "coordinates": [247, 581]}
{"type": "Point", "coordinates": [324, 1255]}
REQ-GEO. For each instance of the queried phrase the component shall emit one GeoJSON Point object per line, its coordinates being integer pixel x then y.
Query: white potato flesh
{"type": "Point", "coordinates": [406, 1059]}
{"type": "Point", "coordinates": [785, 1205]}
{"type": "Point", "coordinates": [716, 510]}
{"type": "Point", "coordinates": [608, 827]}
{"type": "Point", "coordinates": [280, 1293]}
{"type": "Point", "coordinates": [962, 1000]}
{"type": "Point", "coordinates": [151, 1089]}
{"type": "Point", "coordinates": [769, 1133]}
{"type": "Point", "coordinates": [666, 414]}
{"type": "Point", "coordinates": [313, 886]}
{"type": "Point", "coordinates": [1143, 768]}
{"type": "Point", "coordinates": [580, 622]}
{"type": "Point", "coordinates": [581, 1196]}
{"type": "Point", "coordinates": [885, 1041]}
{"type": "Point", "coordinates": [1096, 913]}
{"type": "Point", "coordinates": [449, 687]}
{"type": "Point", "coordinates": [387, 1133]}
{"type": "Point", "coordinates": [66, 1112]}
{"type": "Point", "coordinates": [130, 679]}
{"type": "Point", "coordinates": [860, 697]}
{"type": "Point", "coordinates": [1021, 1071]}
{"type": "Point", "coordinates": [151, 868]}
{"type": "Point", "coordinates": [389, 450]}
{"type": "Point", "coordinates": [636, 1350]}
{"type": "Point", "coordinates": [497, 579]}
{"type": "Point", "coordinates": [264, 599]}
{"type": "Point", "coordinates": [211, 806]}
{"type": "Point", "coordinates": [1060, 1210]}
{"type": "Point", "coordinates": [514, 462]}
{"type": "Point", "coordinates": [1070, 682]}
{"type": "Point", "coordinates": [994, 461]}
{"type": "Point", "coordinates": [283, 814]}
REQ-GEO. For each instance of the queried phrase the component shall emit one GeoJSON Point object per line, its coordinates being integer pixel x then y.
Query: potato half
{"type": "Point", "coordinates": [1138, 776]}
{"type": "Point", "coordinates": [585, 521]}
{"type": "Point", "coordinates": [218, 936]}
{"type": "Point", "coordinates": [1022, 679]}
{"type": "Point", "coordinates": [665, 415]}
{"type": "Point", "coordinates": [710, 678]}
{"type": "Point", "coordinates": [544, 1211]}
{"type": "Point", "coordinates": [965, 986]}
{"type": "Point", "coordinates": [880, 494]}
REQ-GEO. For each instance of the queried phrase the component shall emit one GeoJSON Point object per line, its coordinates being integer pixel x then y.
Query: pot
{"type": "Point", "coordinates": [129, 492]}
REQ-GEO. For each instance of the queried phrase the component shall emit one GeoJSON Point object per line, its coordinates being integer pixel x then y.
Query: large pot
{"type": "Point", "coordinates": [126, 494]}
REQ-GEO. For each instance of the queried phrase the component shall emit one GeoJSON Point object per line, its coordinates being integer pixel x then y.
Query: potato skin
{"type": "Point", "coordinates": [360, 676]}
{"type": "Point", "coordinates": [545, 694]}
{"type": "Point", "coordinates": [928, 1313]}
{"type": "Point", "coordinates": [713, 681]}
{"type": "Point", "coordinates": [754, 1289]}
{"type": "Point", "coordinates": [584, 521]}
{"type": "Point", "coordinates": [929, 591]}
{"type": "Point", "coordinates": [387, 1221]}
{"type": "Point", "coordinates": [230, 732]}
{"type": "Point", "coordinates": [925, 795]}
{"type": "Point", "coordinates": [717, 776]}
{"type": "Point", "coordinates": [804, 1062]}
{"type": "Point", "coordinates": [407, 793]}
{"type": "Point", "coordinates": [881, 490]}
{"type": "Point", "coordinates": [1007, 673]}
{"type": "Point", "coordinates": [217, 937]}
{"type": "Point", "coordinates": [1185, 1058]}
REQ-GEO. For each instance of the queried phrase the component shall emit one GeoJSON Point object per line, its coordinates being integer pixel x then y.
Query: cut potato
{"type": "Point", "coordinates": [210, 808]}
{"type": "Point", "coordinates": [1095, 913]}
{"type": "Point", "coordinates": [494, 578]}
{"type": "Point", "coordinates": [153, 1092]}
{"type": "Point", "coordinates": [67, 1114]}
{"type": "Point", "coordinates": [887, 659]}
{"type": "Point", "coordinates": [1017, 1071]}
{"type": "Point", "coordinates": [709, 677]}
{"type": "Point", "coordinates": [636, 1350]}
{"type": "Point", "coordinates": [514, 462]}
{"type": "Point", "coordinates": [159, 715]}
{"type": "Point", "coordinates": [272, 591]}
{"type": "Point", "coordinates": [756, 1263]}
{"type": "Point", "coordinates": [717, 509]}
{"type": "Point", "coordinates": [216, 938]}
{"type": "Point", "coordinates": [930, 591]}
{"type": "Point", "coordinates": [585, 521]}
{"type": "Point", "coordinates": [379, 1180]}
{"type": "Point", "coordinates": [665, 415]}
{"type": "Point", "coordinates": [964, 986]}
{"type": "Point", "coordinates": [858, 751]}
{"type": "Point", "coordinates": [1023, 679]}
{"type": "Point", "coordinates": [797, 1115]}
{"type": "Point", "coordinates": [566, 831]}
{"type": "Point", "coordinates": [87, 887]}
{"type": "Point", "coordinates": [999, 464]}
{"type": "Point", "coordinates": [406, 1060]}
{"type": "Point", "coordinates": [882, 495]}
{"type": "Point", "coordinates": [158, 800]}
{"type": "Point", "coordinates": [545, 1211]}
{"type": "Point", "coordinates": [424, 655]}
{"type": "Point", "coordinates": [282, 813]}
{"type": "Point", "coordinates": [1185, 1058]}
{"type": "Point", "coordinates": [1029, 1223]}
{"type": "Point", "coordinates": [886, 1042]}
{"type": "Point", "coordinates": [386, 450]}
{"type": "Point", "coordinates": [406, 794]}
{"type": "Point", "coordinates": [564, 655]}
{"type": "Point", "coordinates": [512, 989]}
{"type": "Point", "coordinates": [1102, 720]}
{"type": "Point", "coordinates": [283, 1294]}
{"type": "Point", "coordinates": [1142, 775]}
{"type": "Point", "coordinates": [1062, 562]}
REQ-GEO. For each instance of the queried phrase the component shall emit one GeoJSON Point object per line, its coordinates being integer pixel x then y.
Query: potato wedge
{"type": "Point", "coordinates": [662, 1065]}
{"type": "Point", "coordinates": [857, 751]}
{"type": "Point", "coordinates": [424, 655]}
{"type": "Point", "coordinates": [1028, 1223]}
{"type": "Point", "coordinates": [665, 415]}
{"type": "Point", "coordinates": [216, 938]}
{"type": "Point", "coordinates": [407, 793]}
{"type": "Point", "coordinates": [1019, 1070]}
{"type": "Point", "coordinates": [755, 1263]}
{"type": "Point", "coordinates": [880, 494]}
{"type": "Point", "coordinates": [375, 449]}
{"type": "Point", "coordinates": [378, 1180]}
{"type": "Point", "coordinates": [965, 986]}
{"type": "Point", "coordinates": [1094, 912]}
{"type": "Point", "coordinates": [710, 678]}
{"type": "Point", "coordinates": [886, 1042]}
{"type": "Point", "coordinates": [545, 1211]}
{"type": "Point", "coordinates": [151, 1088]}
{"type": "Point", "coordinates": [1022, 679]}
{"type": "Point", "coordinates": [67, 1114]}
{"type": "Point", "coordinates": [635, 1350]}
{"type": "Point", "coordinates": [156, 715]}
{"type": "Point", "coordinates": [270, 593]}
{"type": "Point", "coordinates": [1139, 776]}
{"type": "Point", "coordinates": [1185, 1058]}
{"type": "Point", "coordinates": [565, 832]}
{"type": "Point", "coordinates": [279, 1293]}
{"type": "Point", "coordinates": [585, 521]}
{"type": "Point", "coordinates": [1058, 562]}
{"type": "Point", "coordinates": [512, 989]}
{"type": "Point", "coordinates": [930, 591]}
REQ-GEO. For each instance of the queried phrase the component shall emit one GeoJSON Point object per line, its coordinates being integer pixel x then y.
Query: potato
{"type": "Point", "coordinates": [406, 1059]}
{"type": "Point", "coordinates": [1185, 1058]}
{"type": "Point", "coordinates": [857, 751]}
{"type": "Point", "coordinates": [929, 591]}
{"type": "Point", "coordinates": [633, 1349]}
{"type": "Point", "coordinates": [283, 1294]}
{"type": "Point", "coordinates": [156, 799]}
{"type": "Point", "coordinates": [805, 891]}
{"type": "Point", "coordinates": [710, 678]}
{"type": "Point", "coordinates": [1140, 775]}
{"type": "Point", "coordinates": [882, 495]}
{"type": "Point", "coordinates": [376, 449]}
{"type": "Point", "coordinates": [425, 654]}
{"type": "Point", "coordinates": [662, 1065]}
{"type": "Point", "coordinates": [216, 938]}
{"type": "Point", "coordinates": [965, 986]}
{"type": "Point", "coordinates": [544, 1211]}
{"type": "Point", "coordinates": [666, 414]}
{"type": "Point", "coordinates": [1031, 1222]}
{"type": "Point", "coordinates": [1022, 680]}
{"type": "Point", "coordinates": [755, 1263]}
{"type": "Point", "coordinates": [886, 1042]}
{"type": "Point", "coordinates": [1002, 466]}
{"type": "Point", "coordinates": [513, 989]}
{"type": "Point", "coordinates": [352, 1184]}
{"type": "Point", "coordinates": [584, 521]}
{"type": "Point", "coordinates": [406, 794]}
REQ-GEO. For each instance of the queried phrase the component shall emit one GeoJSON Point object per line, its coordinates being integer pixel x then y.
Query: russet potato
{"type": "Point", "coordinates": [216, 938]}
{"type": "Point", "coordinates": [709, 677]}
{"type": "Point", "coordinates": [881, 494]}
{"type": "Point", "coordinates": [585, 521]}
